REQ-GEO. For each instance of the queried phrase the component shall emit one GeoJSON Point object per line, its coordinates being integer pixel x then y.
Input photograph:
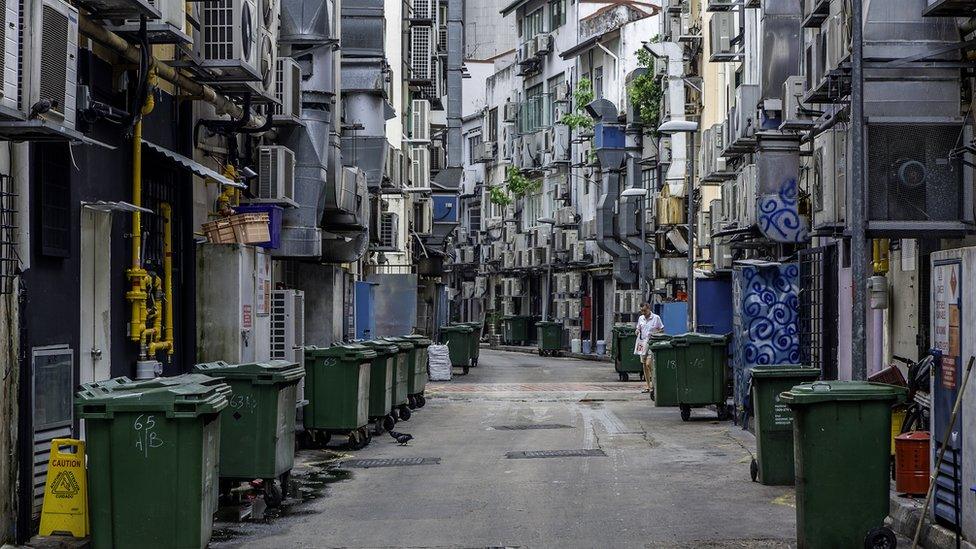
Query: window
{"type": "Point", "coordinates": [648, 179]}
{"type": "Point", "coordinates": [54, 217]}
{"type": "Point", "coordinates": [473, 142]}
{"type": "Point", "coordinates": [389, 225]}
{"type": "Point", "coordinates": [535, 113]}
{"type": "Point", "coordinates": [532, 210]}
{"type": "Point", "coordinates": [474, 218]}
{"type": "Point", "coordinates": [493, 125]}
{"type": "Point", "coordinates": [598, 82]}
{"type": "Point", "coordinates": [551, 85]}
{"type": "Point", "coordinates": [557, 14]}
{"type": "Point", "coordinates": [532, 24]}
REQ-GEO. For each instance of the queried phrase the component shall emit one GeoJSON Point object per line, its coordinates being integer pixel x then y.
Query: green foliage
{"type": "Point", "coordinates": [516, 186]}
{"type": "Point", "coordinates": [645, 92]}
{"type": "Point", "coordinates": [497, 195]}
{"type": "Point", "coordinates": [582, 95]}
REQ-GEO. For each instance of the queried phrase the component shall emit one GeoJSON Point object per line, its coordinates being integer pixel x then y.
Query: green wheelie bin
{"type": "Point", "coordinates": [476, 328]}
{"type": "Point", "coordinates": [417, 380]}
{"type": "Point", "coordinates": [401, 377]}
{"type": "Point", "coordinates": [153, 452]}
{"type": "Point", "coordinates": [702, 373]}
{"type": "Point", "coordinates": [773, 464]}
{"type": "Point", "coordinates": [842, 444]}
{"type": "Point", "coordinates": [458, 340]}
{"type": "Point", "coordinates": [515, 330]}
{"type": "Point", "coordinates": [381, 380]}
{"type": "Point", "coordinates": [337, 390]}
{"type": "Point", "coordinates": [258, 426]}
{"type": "Point", "coordinates": [666, 359]}
{"type": "Point", "coordinates": [625, 362]}
{"type": "Point", "coordinates": [550, 337]}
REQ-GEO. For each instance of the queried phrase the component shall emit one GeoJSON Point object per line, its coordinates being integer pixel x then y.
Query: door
{"type": "Point", "coordinates": [96, 303]}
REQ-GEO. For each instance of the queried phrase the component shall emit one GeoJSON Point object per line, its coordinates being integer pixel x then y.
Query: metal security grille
{"type": "Point", "coordinates": [531, 427]}
{"type": "Point", "coordinates": [389, 223]}
{"type": "Point", "coordinates": [55, 197]}
{"type": "Point", "coordinates": [535, 454]}
{"type": "Point", "coordinates": [279, 108]}
{"type": "Point", "coordinates": [818, 309]}
{"type": "Point", "coordinates": [422, 9]}
{"type": "Point", "coordinates": [913, 174]}
{"type": "Point", "coordinates": [279, 329]}
{"type": "Point", "coordinates": [3, 35]}
{"type": "Point", "coordinates": [392, 462]}
{"type": "Point", "coordinates": [54, 47]}
{"type": "Point", "coordinates": [8, 241]}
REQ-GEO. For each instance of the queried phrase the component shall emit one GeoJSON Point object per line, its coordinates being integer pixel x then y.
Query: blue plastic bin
{"type": "Point", "coordinates": [275, 213]}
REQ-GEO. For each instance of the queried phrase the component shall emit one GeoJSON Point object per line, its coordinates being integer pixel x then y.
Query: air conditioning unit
{"type": "Point", "coordinates": [230, 44]}
{"type": "Point", "coordinates": [722, 29]}
{"type": "Point", "coordinates": [420, 166]}
{"type": "Point", "coordinates": [170, 28]}
{"type": "Point", "coordinates": [721, 255]}
{"type": "Point", "coordinates": [746, 196]}
{"type": "Point", "coordinates": [579, 252]}
{"type": "Point", "coordinates": [565, 216]}
{"type": "Point", "coordinates": [794, 115]}
{"type": "Point", "coordinates": [10, 98]}
{"type": "Point", "coordinates": [288, 91]}
{"type": "Point", "coordinates": [389, 225]}
{"type": "Point", "coordinates": [837, 36]}
{"type": "Point", "coordinates": [52, 62]}
{"type": "Point", "coordinates": [745, 117]}
{"type": "Point", "coordinates": [562, 309]}
{"type": "Point", "coordinates": [916, 182]}
{"type": "Point", "coordinates": [288, 325]}
{"type": "Point", "coordinates": [561, 93]}
{"type": "Point", "coordinates": [542, 257]}
{"type": "Point", "coordinates": [508, 307]}
{"type": "Point", "coordinates": [484, 152]}
{"type": "Point", "coordinates": [813, 63]}
{"type": "Point", "coordinates": [515, 286]}
{"type": "Point", "coordinates": [508, 259]}
{"type": "Point", "coordinates": [422, 52]}
{"type": "Point", "coordinates": [543, 44]}
{"type": "Point", "coordinates": [420, 121]}
{"type": "Point", "coordinates": [275, 182]}
{"type": "Point", "coordinates": [828, 185]}
{"type": "Point", "coordinates": [511, 112]}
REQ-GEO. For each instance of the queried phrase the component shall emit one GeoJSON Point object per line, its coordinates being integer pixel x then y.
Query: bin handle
{"type": "Point", "coordinates": [820, 387]}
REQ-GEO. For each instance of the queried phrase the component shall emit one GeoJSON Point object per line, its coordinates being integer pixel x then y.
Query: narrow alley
{"type": "Point", "coordinates": [650, 480]}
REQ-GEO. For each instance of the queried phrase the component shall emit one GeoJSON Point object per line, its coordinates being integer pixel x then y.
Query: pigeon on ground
{"type": "Point", "coordinates": [401, 438]}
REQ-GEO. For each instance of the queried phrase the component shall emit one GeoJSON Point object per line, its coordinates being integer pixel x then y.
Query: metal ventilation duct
{"type": "Point", "coordinates": [777, 189]}
{"type": "Point", "coordinates": [630, 230]}
{"type": "Point", "coordinates": [310, 143]}
{"type": "Point", "coordinates": [344, 246]}
{"type": "Point", "coordinates": [317, 64]}
{"type": "Point", "coordinates": [307, 22]}
{"type": "Point", "coordinates": [363, 28]}
{"type": "Point", "coordinates": [606, 237]}
{"type": "Point", "coordinates": [895, 29]}
{"type": "Point", "coordinates": [780, 55]}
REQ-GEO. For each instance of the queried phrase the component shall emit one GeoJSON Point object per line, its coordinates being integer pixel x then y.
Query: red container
{"type": "Point", "coordinates": [912, 463]}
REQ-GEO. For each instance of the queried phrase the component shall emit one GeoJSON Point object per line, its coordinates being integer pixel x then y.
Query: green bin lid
{"type": "Point", "coordinates": [827, 391]}
{"type": "Point", "coordinates": [403, 343]}
{"type": "Point", "coordinates": [476, 324]}
{"type": "Point", "coordinates": [779, 371]}
{"type": "Point", "coordinates": [349, 352]}
{"type": "Point", "coordinates": [183, 396]}
{"type": "Point", "coordinates": [543, 323]}
{"type": "Point", "coordinates": [696, 337]}
{"type": "Point", "coordinates": [382, 348]}
{"type": "Point", "coordinates": [418, 340]}
{"type": "Point", "coordinates": [275, 371]}
{"type": "Point", "coordinates": [662, 344]}
{"type": "Point", "coordinates": [459, 328]}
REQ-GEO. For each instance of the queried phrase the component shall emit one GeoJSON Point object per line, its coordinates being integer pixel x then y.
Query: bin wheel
{"type": "Point", "coordinates": [880, 538]}
{"type": "Point", "coordinates": [355, 442]}
{"type": "Point", "coordinates": [365, 437]}
{"type": "Point", "coordinates": [272, 493]}
{"type": "Point", "coordinates": [388, 422]}
{"type": "Point", "coordinates": [378, 426]}
{"type": "Point", "coordinates": [411, 402]}
{"type": "Point", "coordinates": [303, 440]}
{"type": "Point", "coordinates": [405, 413]}
{"type": "Point", "coordinates": [685, 412]}
{"type": "Point", "coordinates": [624, 376]}
{"type": "Point", "coordinates": [723, 412]}
{"type": "Point", "coordinates": [641, 376]}
{"type": "Point", "coordinates": [754, 469]}
{"type": "Point", "coordinates": [322, 438]}
{"type": "Point", "coordinates": [465, 369]}
{"type": "Point", "coordinates": [421, 401]}
{"type": "Point", "coordinates": [542, 353]}
{"type": "Point", "coordinates": [474, 362]}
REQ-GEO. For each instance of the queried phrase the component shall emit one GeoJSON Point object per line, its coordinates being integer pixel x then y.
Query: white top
{"type": "Point", "coordinates": [647, 325]}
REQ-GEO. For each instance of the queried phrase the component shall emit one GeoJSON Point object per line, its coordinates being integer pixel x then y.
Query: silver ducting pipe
{"type": "Point", "coordinates": [630, 231]}
{"type": "Point", "coordinates": [606, 237]}
{"type": "Point", "coordinates": [307, 22]}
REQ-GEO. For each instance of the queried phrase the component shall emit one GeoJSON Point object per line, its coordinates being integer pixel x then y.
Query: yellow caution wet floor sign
{"type": "Point", "coordinates": [65, 509]}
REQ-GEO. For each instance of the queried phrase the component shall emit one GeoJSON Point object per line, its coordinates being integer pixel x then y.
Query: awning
{"type": "Point", "coordinates": [192, 165]}
{"type": "Point", "coordinates": [516, 4]}
{"type": "Point", "coordinates": [587, 44]}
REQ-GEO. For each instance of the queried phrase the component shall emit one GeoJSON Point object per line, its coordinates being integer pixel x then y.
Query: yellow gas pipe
{"type": "Point", "coordinates": [138, 277]}
{"type": "Point", "coordinates": [165, 212]}
{"type": "Point", "coordinates": [879, 263]}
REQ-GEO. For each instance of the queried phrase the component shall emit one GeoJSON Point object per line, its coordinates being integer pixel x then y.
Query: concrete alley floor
{"type": "Point", "coordinates": [659, 482]}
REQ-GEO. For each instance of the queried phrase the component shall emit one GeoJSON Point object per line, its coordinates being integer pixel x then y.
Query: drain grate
{"type": "Point", "coordinates": [392, 462]}
{"type": "Point", "coordinates": [531, 426]}
{"type": "Point", "coordinates": [590, 452]}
